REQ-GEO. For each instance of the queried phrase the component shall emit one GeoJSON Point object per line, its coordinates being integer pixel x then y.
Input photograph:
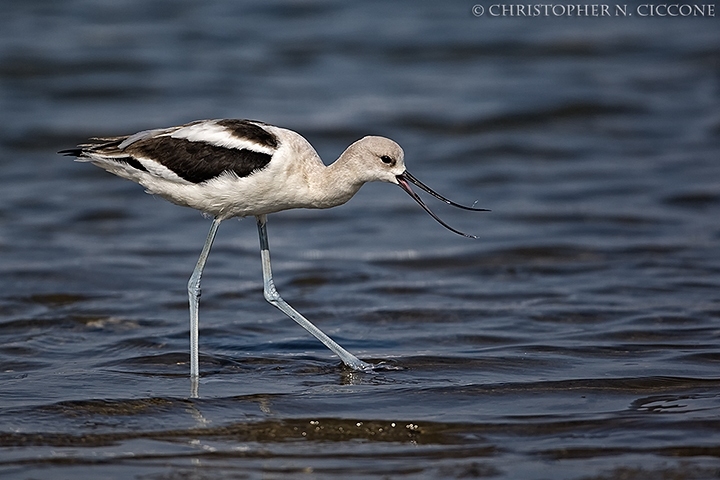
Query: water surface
{"type": "Point", "coordinates": [577, 338]}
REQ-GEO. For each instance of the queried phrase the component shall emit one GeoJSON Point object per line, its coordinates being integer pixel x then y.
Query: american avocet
{"type": "Point", "coordinates": [236, 168]}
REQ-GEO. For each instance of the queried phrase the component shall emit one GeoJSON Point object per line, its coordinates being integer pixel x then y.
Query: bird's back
{"type": "Point", "coordinates": [222, 167]}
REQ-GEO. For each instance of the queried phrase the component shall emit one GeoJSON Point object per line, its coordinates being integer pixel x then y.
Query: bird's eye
{"type": "Point", "coordinates": [387, 160]}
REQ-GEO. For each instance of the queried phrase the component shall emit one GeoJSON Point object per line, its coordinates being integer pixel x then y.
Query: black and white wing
{"type": "Point", "coordinates": [192, 153]}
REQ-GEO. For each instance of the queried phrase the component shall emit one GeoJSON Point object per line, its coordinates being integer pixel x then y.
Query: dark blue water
{"type": "Point", "coordinates": [577, 338]}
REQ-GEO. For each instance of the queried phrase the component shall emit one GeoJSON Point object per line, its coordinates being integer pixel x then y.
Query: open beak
{"type": "Point", "coordinates": [403, 180]}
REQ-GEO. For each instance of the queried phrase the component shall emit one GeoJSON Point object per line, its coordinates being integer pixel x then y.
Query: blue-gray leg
{"type": "Point", "coordinates": [273, 297]}
{"type": "Point", "coordinates": [194, 296]}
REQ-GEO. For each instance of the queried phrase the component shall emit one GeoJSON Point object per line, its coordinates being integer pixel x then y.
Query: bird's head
{"type": "Point", "coordinates": [383, 160]}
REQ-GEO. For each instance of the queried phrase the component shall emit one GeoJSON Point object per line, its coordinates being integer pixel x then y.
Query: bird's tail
{"type": "Point", "coordinates": [109, 146]}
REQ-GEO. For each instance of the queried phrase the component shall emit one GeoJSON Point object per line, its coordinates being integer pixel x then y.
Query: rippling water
{"type": "Point", "coordinates": [579, 337]}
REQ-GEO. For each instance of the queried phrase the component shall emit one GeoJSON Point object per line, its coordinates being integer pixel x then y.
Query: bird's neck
{"type": "Point", "coordinates": [338, 181]}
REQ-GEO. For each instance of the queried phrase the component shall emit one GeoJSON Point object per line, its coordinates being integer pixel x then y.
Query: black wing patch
{"type": "Point", "coordinates": [249, 131]}
{"type": "Point", "coordinates": [198, 162]}
{"type": "Point", "coordinates": [132, 162]}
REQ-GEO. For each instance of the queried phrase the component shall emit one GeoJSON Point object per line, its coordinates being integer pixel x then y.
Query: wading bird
{"type": "Point", "coordinates": [236, 168]}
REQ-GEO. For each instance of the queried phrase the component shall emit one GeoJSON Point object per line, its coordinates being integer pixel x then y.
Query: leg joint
{"type": "Point", "coordinates": [193, 287]}
{"type": "Point", "coordinates": [271, 293]}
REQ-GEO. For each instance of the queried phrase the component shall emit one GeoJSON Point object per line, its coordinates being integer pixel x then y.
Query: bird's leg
{"type": "Point", "coordinates": [194, 296]}
{"type": "Point", "coordinates": [273, 297]}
